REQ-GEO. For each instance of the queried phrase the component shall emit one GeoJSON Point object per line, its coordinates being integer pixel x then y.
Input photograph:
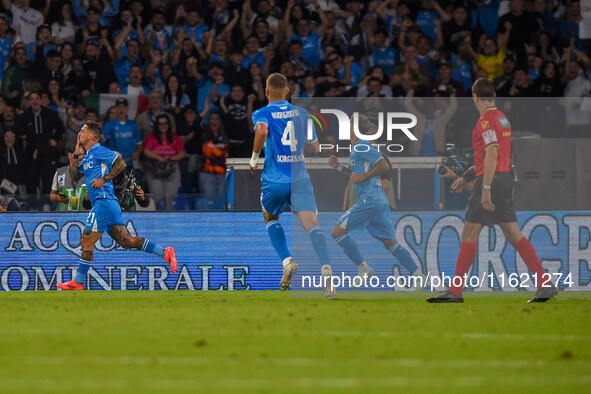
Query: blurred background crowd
{"type": "Point", "coordinates": [199, 69]}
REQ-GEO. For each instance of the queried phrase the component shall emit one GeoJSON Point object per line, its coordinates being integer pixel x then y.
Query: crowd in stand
{"type": "Point", "coordinates": [203, 65]}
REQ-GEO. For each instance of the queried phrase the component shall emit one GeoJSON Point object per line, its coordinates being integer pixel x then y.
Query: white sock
{"type": "Point", "coordinates": [418, 272]}
{"type": "Point", "coordinates": [286, 261]}
{"type": "Point", "coordinates": [363, 266]}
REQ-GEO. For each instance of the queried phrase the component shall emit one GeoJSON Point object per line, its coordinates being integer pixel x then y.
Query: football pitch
{"type": "Point", "coordinates": [270, 341]}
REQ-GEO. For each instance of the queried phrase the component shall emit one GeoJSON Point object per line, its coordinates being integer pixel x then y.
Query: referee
{"type": "Point", "coordinates": [491, 199]}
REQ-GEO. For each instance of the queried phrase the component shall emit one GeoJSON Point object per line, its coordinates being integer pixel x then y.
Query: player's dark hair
{"type": "Point", "coordinates": [156, 129]}
{"type": "Point", "coordinates": [484, 89]}
{"type": "Point", "coordinates": [374, 79]}
{"type": "Point", "coordinates": [364, 125]}
{"type": "Point", "coordinates": [210, 134]}
{"type": "Point", "coordinates": [94, 128]}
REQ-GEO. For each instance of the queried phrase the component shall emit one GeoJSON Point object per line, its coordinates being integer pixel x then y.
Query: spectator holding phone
{"type": "Point", "coordinates": [67, 193]}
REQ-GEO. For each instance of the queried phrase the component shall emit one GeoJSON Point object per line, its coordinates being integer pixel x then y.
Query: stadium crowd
{"type": "Point", "coordinates": [202, 65]}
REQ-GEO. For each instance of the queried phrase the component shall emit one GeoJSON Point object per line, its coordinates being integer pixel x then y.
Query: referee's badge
{"type": "Point", "coordinates": [489, 136]}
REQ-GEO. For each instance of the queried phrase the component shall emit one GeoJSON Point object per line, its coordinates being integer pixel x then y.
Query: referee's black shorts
{"type": "Point", "coordinates": [502, 199]}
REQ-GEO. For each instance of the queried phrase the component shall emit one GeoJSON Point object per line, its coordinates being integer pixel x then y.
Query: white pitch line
{"type": "Point", "coordinates": [370, 334]}
{"type": "Point", "coordinates": [284, 362]}
{"type": "Point", "coordinates": [392, 334]}
{"type": "Point", "coordinates": [199, 382]}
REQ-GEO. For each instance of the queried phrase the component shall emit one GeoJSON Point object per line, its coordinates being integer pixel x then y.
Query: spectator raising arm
{"type": "Point", "coordinates": [504, 37]}
{"type": "Point", "coordinates": [443, 13]}
{"type": "Point", "coordinates": [439, 42]}
{"type": "Point", "coordinates": [244, 18]}
{"type": "Point", "coordinates": [192, 69]}
{"type": "Point", "coordinates": [226, 34]}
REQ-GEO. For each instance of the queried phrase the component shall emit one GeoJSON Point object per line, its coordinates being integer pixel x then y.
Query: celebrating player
{"type": "Point", "coordinates": [371, 211]}
{"type": "Point", "coordinates": [282, 128]}
{"type": "Point", "coordinates": [100, 165]}
{"type": "Point", "coordinates": [491, 199]}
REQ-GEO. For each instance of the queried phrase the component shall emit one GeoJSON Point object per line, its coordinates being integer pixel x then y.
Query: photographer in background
{"type": "Point", "coordinates": [64, 191]}
{"type": "Point", "coordinates": [8, 204]}
{"type": "Point", "coordinates": [127, 191]}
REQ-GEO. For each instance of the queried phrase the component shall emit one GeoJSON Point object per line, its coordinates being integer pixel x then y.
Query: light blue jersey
{"type": "Point", "coordinates": [284, 148]}
{"type": "Point", "coordinates": [362, 159]}
{"type": "Point", "coordinates": [122, 137]}
{"type": "Point", "coordinates": [371, 211]}
{"type": "Point", "coordinates": [5, 51]}
{"type": "Point", "coordinates": [95, 164]}
{"type": "Point", "coordinates": [311, 48]}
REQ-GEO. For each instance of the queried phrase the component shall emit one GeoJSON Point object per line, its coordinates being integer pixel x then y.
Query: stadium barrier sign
{"type": "Point", "coordinates": [231, 251]}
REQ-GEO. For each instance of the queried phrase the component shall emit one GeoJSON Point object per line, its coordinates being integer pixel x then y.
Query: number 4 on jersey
{"type": "Point", "coordinates": [288, 137]}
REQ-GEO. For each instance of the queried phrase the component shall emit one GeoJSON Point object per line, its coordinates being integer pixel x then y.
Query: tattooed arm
{"type": "Point", "coordinates": [74, 173]}
{"type": "Point", "coordinates": [118, 166]}
{"type": "Point", "coordinates": [75, 159]}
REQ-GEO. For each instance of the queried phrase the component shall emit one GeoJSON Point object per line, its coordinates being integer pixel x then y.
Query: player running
{"type": "Point", "coordinates": [371, 211]}
{"type": "Point", "coordinates": [100, 165]}
{"type": "Point", "coordinates": [282, 129]}
{"type": "Point", "coordinates": [491, 199]}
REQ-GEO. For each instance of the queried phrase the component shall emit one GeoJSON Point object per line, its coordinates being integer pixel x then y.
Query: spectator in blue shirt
{"type": "Point", "coordinates": [310, 41]}
{"type": "Point", "coordinates": [486, 16]}
{"type": "Point", "coordinates": [301, 65]}
{"type": "Point", "coordinates": [462, 66]}
{"type": "Point", "coordinates": [383, 55]}
{"type": "Point", "coordinates": [123, 65]}
{"type": "Point", "coordinates": [106, 17]}
{"type": "Point", "coordinates": [137, 83]}
{"type": "Point", "coordinates": [158, 34]}
{"type": "Point", "coordinates": [195, 26]}
{"type": "Point", "coordinates": [253, 53]}
{"type": "Point", "coordinates": [131, 30]}
{"type": "Point", "coordinates": [44, 41]}
{"type": "Point", "coordinates": [212, 88]}
{"type": "Point", "coordinates": [348, 71]}
{"type": "Point", "coordinates": [431, 10]}
{"type": "Point", "coordinates": [123, 135]}
{"type": "Point", "coordinates": [5, 43]}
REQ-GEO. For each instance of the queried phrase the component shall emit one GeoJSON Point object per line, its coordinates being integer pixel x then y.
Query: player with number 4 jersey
{"type": "Point", "coordinates": [282, 129]}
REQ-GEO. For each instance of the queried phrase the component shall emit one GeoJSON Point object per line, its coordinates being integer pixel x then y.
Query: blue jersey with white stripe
{"type": "Point", "coordinates": [97, 163]}
{"type": "Point", "coordinates": [287, 133]}
{"type": "Point", "coordinates": [362, 159]}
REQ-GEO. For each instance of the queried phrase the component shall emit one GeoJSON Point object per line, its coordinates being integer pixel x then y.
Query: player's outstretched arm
{"type": "Point", "coordinates": [260, 137]}
{"type": "Point", "coordinates": [333, 161]}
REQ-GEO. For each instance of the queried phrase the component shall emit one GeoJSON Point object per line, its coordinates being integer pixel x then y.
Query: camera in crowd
{"type": "Point", "coordinates": [124, 186]}
{"type": "Point", "coordinates": [454, 161]}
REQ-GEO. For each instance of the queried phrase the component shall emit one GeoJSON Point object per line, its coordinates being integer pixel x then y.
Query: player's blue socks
{"type": "Point", "coordinates": [151, 247]}
{"type": "Point", "coordinates": [83, 268]}
{"type": "Point", "coordinates": [403, 257]}
{"type": "Point", "coordinates": [349, 247]}
{"type": "Point", "coordinates": [319, 243]}
{"type": "Point", "coordinates": [277, 236]}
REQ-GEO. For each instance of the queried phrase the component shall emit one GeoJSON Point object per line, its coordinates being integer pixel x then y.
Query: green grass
{"type": "Point", "coordinates": [270, 341]}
